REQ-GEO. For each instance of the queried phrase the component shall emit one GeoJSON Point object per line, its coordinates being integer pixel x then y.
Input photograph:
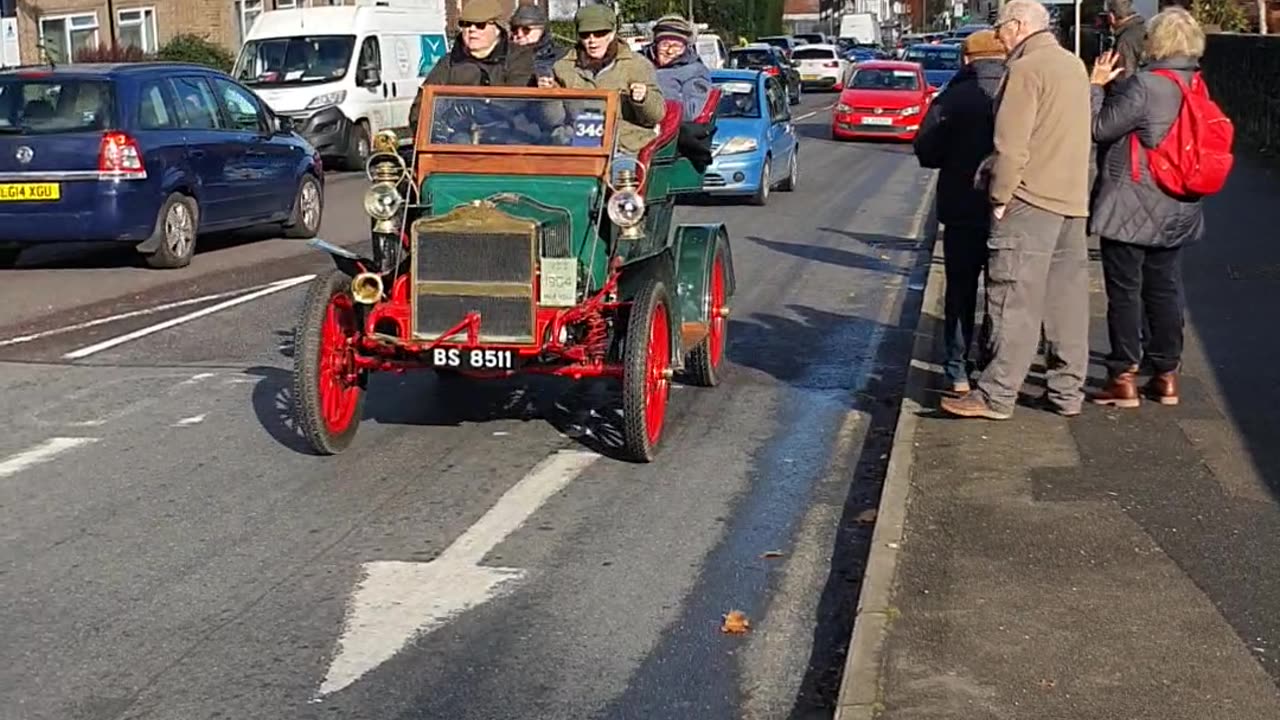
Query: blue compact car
{"type": "Point", "coordinates": [149, 155]}
{"type": "Point", "coordinates": [755, 148]}
{"type": "Point", "coordinates": [940, 62]}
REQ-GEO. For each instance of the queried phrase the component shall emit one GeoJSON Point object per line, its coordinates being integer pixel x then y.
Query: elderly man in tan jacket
{"type": "Point", "coordinates": [1039, 191]}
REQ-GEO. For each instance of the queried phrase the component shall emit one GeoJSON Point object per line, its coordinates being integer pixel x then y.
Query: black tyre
{"type": "Point", "coordinates": [761, 196]}
{"type": "Point", "coordinates": [9, 256]}
{"type": "Point", "coordinates": [175, 235]}
{"type": "Point", "coordinates": [308, 210]}
{"type": "Point", "coordinates": [705, 361]}
{"type": "Point", "coordinates": [646, 372]}
{"type": "Point", "coordinates": [357, 147]}
{"type": "Point", "coordinates": [793, 172]}
{"type": "Point", "coordinates": [328, 390]}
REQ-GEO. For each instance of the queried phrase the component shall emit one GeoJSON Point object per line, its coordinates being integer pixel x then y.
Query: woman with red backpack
{"type": "Point", "coordinates": [1165, 145]}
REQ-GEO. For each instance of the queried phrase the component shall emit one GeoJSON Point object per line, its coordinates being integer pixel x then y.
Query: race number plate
{"type": "Point", "coordinates": [473, 358]}
{"type": "Point", "coordinates": [588, 130]}
{"type": "Point", "coordinates": [877, 121]}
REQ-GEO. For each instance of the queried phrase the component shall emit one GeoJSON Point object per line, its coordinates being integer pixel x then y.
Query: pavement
{"type": "Point", "coordinates": [172, 551]}
{"type": "Point", "coordinates": [1120, 564]}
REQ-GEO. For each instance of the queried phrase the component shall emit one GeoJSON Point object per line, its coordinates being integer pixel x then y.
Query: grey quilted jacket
{"type": "Point", "coordinates": [1139, 213]}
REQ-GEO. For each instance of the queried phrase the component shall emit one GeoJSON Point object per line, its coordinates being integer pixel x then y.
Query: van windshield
{"type": "Point", "coordinates": [295, 60]}
{"type": "Point", "coordinates": [54, 105]}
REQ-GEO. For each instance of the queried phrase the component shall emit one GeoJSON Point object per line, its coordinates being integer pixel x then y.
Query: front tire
{"type": "Point", "coordinates": [175, 233]}
{"type": "Point", "coordinates": [357, 147]}
{"type": "Point", "coordinates": [9, 256]}
{"type": "Point", "coordinates": [308, 209]}
{"type": "Point", "coordinates": [761, 196]}
{"type": "Point", "coordinates": [705, 360]}
{"type": "Point", "coordinates": [328, 390]}
{"type": "Point", "coordinates": [646, 372]}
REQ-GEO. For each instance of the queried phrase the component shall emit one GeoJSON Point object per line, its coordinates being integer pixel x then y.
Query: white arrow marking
{"type": "Point", "coordinates": [398, 601]}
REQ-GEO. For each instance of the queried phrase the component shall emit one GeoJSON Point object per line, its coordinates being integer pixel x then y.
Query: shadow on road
{"type": "Point", "coordinates": [838, 257]}
{"type": "Point", "coordinates": [108, 256]}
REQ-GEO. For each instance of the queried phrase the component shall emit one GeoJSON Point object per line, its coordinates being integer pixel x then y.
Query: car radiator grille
{"type": "Point", "coordinates": [462, 271]}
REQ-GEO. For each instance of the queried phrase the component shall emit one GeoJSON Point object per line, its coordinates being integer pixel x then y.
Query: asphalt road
{"type": "Point", "coordinates": [171, 551]}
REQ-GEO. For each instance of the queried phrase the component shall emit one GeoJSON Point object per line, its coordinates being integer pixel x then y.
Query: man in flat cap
{"type": "Point", "coordinates": [482, 55]}
{"type": "Point", "coordinates": [955, 137]}
{"type": "Point", "coordinates": [529, 29]}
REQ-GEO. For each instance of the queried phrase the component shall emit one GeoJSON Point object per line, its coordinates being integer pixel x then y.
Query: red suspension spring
{"type": "Point", "coordinates": [596, 339]}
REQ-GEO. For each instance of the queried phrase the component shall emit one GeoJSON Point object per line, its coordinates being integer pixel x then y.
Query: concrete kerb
{"type": "Point", "coordinates": [861, 696]}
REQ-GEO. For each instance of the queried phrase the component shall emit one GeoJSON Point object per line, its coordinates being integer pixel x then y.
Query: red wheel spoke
{"type": "Point", "coordinates": [338, 399]}
{"type": "Point", "coordinates": [715, 343]}
{"type": "Point", "coordinates": [657, 384]}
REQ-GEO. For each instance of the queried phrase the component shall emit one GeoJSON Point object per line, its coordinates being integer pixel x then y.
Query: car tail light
{"type": "Point", "coordinates": [832, 64]}
{"type": "Point", "coordinates": [119, 156]}
{"type": "Point", "coordinates": [771, 70]}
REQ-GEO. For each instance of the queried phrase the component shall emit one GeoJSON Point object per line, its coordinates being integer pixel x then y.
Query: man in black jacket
{"type": "Point", "coordinates": [529, 29]}
{"type": "Point", "coordinates": [956, 136]}
{"type": "Point", "coordinates": [1130, 32]}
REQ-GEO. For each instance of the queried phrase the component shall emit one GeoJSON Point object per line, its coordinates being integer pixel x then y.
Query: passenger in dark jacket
{"type": "Point", "coordinates": [955, 137]}
{"type": "Point", "coordinates": [529, 29]}
{"type": "Point", "coordinates": [684, 78]}
{"type": "Point", "coordinates": [481, 55]}
{"type": "Point", "coordinates": [1143, 229]}
{"type": "Point", "coordinates": [1130, 32]}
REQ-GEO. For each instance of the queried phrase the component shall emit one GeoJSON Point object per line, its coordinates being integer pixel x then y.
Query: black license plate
{"type": "Point", "coordinates": [473, 358]}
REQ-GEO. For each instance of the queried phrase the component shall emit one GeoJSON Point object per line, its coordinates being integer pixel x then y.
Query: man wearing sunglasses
{"type": "Point", "coordinates": [482, 55]}
{"type": "Point", "coordinates": [601, 62]}
{"type": "Point", "coordinates": [529, 29]}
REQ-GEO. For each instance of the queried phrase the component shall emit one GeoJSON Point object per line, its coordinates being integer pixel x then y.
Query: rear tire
{"type": "Point", "coordinates": [761, 196]}
{"type": "Point", "coordinates": [357, 147]}
{"type": "Point", "coordinates": [646, 366]}
{"type": "Point", "coordinates": [793, 172]}
{"type": "Point", "coordinates": [175, 235]}
{"type": "Point", "coordinates": [308, 210]}
{"type": "Point", "coordinates": [706, 359]}
{"type": "Point", "coordinates": [9, 256]}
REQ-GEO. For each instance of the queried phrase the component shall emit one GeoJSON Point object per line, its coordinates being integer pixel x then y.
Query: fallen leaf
{"type": "Point", "coordinates": [772, 554]}
{"type": "Point", "coordinates": [735, 623]}
{"type": "Point", "coordinates": [866, 517]}
{"type": "Point", "coordinates": [1047, 684]}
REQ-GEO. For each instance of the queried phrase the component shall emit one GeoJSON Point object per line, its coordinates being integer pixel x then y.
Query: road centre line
{"type": "Point", "coordinates": [43, 452]}
{"type": "Point", "coordinates": [174, 322]}
{"type": "Point", "coordinates": [808, 115]}
{"type": "Point", "coordinates": [19, 339]}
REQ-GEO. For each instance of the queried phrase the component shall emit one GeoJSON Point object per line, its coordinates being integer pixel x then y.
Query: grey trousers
{"type": "Point", "coordinates": [1037, 273]}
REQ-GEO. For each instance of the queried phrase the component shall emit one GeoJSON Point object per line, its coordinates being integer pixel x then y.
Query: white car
{"type": "Point", "coordinates": [821, 66]}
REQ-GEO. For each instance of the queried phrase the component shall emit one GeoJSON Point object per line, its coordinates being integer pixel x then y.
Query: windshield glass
{"type": "Point", "coordinates": [295, 60]}
{"type": "Point", "coordinates": [814, 54]}
{"type": "Point", "coordinates": [750, 58]}
{"type": "Point", "coordinates": [778, 42]}
{"type": "Point", "coordinates": [738, 99]}
{"type": "Point", "coordinates": [935, 59]}
{"type": "Point", "coordinates": [517, 121]}
{"type": "Point", "coordinates": [54, 105]}
{"type": "Point", "coordinates": [883, 79]}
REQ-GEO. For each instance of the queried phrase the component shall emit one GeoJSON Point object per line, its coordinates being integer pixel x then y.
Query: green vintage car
{"type": "Point", "coordinates": [518, 239]}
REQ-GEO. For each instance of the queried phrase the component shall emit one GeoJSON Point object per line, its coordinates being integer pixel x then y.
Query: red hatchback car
{"type": "Point", "coordinates": [883, 98]}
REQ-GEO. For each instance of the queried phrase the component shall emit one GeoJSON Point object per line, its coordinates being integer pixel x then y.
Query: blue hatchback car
{"type": "Point", "coordinates": [755, 147]}
{"type": "Point", "coordinates": [146, 154]}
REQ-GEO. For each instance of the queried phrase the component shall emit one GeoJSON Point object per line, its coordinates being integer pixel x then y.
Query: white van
{"type": "Point", "coordinates": [712, 51]}
{"type": "Point", "coordinates": [343, 73]}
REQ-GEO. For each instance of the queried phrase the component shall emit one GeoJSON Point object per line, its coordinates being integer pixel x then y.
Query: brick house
{"type": "Point", "coordinates": [64, 26]}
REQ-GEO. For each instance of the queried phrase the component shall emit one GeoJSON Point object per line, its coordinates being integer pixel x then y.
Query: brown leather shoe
{"type": "Point", "coordinates": [1164, 388]}
{"type": "Point", "coordinates": [973, 405]}
{"type": "Point", "coordinates": [1121, 390]}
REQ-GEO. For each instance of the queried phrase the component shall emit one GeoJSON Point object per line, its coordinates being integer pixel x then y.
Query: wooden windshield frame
{"type": "Point", "coordinates": [555, 160]}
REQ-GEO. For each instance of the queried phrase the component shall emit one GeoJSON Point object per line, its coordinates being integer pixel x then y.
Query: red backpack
{"type": "Point", "coordinates": [1194, 157]}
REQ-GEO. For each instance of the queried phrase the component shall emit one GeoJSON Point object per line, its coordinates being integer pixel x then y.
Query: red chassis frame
{"type": "Point", "coordinates": [585, 358]}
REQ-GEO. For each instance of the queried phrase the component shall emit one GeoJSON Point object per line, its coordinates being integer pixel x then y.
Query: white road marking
{"type": "Point", "coordinates": [19, 339]}
{"type": "Point", "coordinates": [43, 452]}
{"type": "Point", "coordinates": [808, 115]}
{"type": "Point", "coordinates": [174, 322]}
{"type": "Point", "coordinates": [193, 420]}
{"type": "Point", "coordinates": [397, 601]}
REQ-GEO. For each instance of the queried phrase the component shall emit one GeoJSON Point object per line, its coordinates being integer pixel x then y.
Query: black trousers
{"type": "Point", "coordinates": [1145, 301]}
{"type": "Point", "coordinates": [965, 259]}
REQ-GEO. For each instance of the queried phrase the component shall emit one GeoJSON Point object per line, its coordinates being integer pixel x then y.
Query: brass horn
{"type": "Point", "coordinates": [366, 288]}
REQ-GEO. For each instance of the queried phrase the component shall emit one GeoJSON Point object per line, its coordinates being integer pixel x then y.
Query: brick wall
{"type": "Point", "coordinates": [1243, 72]}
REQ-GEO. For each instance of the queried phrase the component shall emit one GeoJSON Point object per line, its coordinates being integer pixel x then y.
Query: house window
{"type": "Point", "coordinates": [247, 11]}
{"type": "Point", "coordinates": [62, 36]}
{"type": "Point", "coordinates": [286, 4]}
{"type": "Point", "coordinates": [137, 28]}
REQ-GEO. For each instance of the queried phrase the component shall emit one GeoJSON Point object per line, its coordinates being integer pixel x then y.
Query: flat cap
{"type": "Point", "coordinates": [478, 11]}
{"type": "Point", "coordinates": [983, 43]}
{"type": "Point", "coordinates": [528, 15]}
{"type": "Point", "coordinates": [595, 18]}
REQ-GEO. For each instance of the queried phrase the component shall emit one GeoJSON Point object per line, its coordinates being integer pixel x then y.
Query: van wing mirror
{"type": "Point", "coordinates": [284, 124]}
{"type": "Point", "coordinates": [370, 76]}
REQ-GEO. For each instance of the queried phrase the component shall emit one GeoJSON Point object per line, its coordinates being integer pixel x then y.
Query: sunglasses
{"type": "Point", "coordinates": [594, 34]}
{"type": "Point", "coordinates": [464, 24]}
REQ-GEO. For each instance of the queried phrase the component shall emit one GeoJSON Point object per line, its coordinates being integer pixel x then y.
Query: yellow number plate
{"type": "Point", "coordinates": [30, 191]}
